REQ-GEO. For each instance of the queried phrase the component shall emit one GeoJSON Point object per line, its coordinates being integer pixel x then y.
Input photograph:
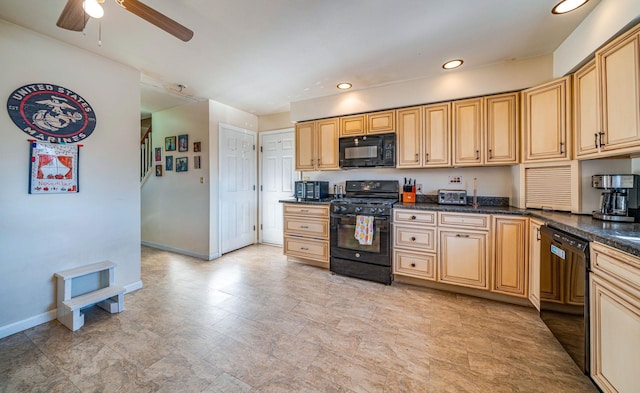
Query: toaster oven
{"type": "Point", "coordinates": [311, 190]}
{"type": "Point", "coordinates": [452, 197]}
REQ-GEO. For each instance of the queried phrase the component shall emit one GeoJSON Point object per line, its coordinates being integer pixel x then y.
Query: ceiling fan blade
{"type": "Point", "coordinates": [73, 16]}
{"type": "Point", "coordinates": [160, 20]}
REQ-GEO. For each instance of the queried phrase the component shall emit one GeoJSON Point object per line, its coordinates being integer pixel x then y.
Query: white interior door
{"type": "Point", "coordinates": [238, 201]}
{"type": "Point", "coordinates": [277, 167]}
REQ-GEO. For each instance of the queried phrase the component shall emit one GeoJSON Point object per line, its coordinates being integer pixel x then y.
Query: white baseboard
{"type": "Point", "coordinates": [16, 327]}
{"type": "Point", "coordinates": [28, 323]}
{"type": "Point", "coordinates": [180, 251]}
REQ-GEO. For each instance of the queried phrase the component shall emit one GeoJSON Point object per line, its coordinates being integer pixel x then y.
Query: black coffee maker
{"type": "Point", "coordinates": [619, 201]}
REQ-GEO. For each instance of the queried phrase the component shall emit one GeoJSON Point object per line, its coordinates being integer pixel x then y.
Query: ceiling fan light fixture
{"type": "Point", "coordinates": [567, 5]}
{"type": "Point", "coordinates": [93, 8]}
{"type": "Point", "coordinates": [344, 86]}
{"type": "Point", "coordinates": [451, 64]}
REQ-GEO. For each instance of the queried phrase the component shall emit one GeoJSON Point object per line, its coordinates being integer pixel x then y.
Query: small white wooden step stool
{"type": "Point", "coordinates": [109, 297]}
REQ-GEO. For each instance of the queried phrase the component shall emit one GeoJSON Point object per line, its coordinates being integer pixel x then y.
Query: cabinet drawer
{"type": "Point", "coordinates": [415, 237]}
{"type": "Point", "coordinates": [317, 250]}
{"type": "Point", "coordinates": [464, 220]}
{"type": "Point", "coordinates": [320, 211]}
{"type": "Point", "coordinates": [615, 263]}
{"type": "Point", "coordinates": [414, 264]}
{"type": "Point", "coordinates": [414, 216]}
{"type": "Point", "coordinates": [305, 227]}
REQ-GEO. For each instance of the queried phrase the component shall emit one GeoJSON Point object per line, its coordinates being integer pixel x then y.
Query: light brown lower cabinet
{"type": "Point", "coordinates": [414, 243]}
{"type": "Point", "coordinates": [510, 266]}
{"type": "Point", "coordinates": [615, 319]}
{"type": "Point", "coordinates": [463, 256]}
{"type": "Point", "coordinates": [534, 261]}
{"type": "Point", "coordinates": [306, 232]}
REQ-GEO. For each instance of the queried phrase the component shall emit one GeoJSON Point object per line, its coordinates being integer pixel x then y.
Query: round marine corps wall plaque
{"type": "Point", "coordinates": [51, 113]}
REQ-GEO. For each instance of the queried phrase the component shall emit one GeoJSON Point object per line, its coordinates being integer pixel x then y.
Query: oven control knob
{"type": "Point", "coordinates": [357, 255]}
{"type": "Point", "coordinates": [343, 208]}
{"type": "Point", "coordinates": [373, 210]}
{"type": "Point", "coordinates": [358, 209]}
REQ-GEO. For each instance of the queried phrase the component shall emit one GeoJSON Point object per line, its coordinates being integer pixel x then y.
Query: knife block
{"type": "Point", "coordinates": [409, 197]}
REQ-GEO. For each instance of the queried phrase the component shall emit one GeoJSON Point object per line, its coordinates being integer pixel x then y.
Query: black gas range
{"type": "Point", "coordinates": [361, 230]}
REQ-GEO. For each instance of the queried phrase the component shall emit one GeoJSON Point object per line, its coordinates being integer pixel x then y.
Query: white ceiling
{"type": "Point", "coordinates": [261, 55]}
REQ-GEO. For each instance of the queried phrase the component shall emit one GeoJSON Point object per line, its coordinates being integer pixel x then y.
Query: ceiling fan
{"type": "Point", "coordinates": [73, 17]}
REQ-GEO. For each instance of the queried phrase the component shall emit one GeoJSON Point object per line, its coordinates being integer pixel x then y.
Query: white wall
{"type": "Point", "coordinates": [598, 27]}
{"type": "Point", "coordinates": [450, 85]}
{"type": "Point", "coordinates": [276, 121]}
{"type": "Point", "coordinates": [43, 234]}
{"type": "Point", "coordinates": [179, 209]}
{"type": "Point", "coordinates": [175, 207]}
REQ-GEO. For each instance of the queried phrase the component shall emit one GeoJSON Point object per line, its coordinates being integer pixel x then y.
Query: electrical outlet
{"type": "Point", "coordinates": [455, 179]}
{"type": "Point", "coordinates": [418, 187]}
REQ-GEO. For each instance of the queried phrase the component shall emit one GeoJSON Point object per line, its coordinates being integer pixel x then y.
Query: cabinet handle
{"type": "Point", "coordinates": [413, 238]}
{"type": "Point", "coordinates": [461, 235]}
{"type": "Point", "coordinates": [318, 161]}
{"type": "Point", "coordinates": [417, 157]}
{"type": "Point", "coordinates": [490, 153]}
{"type": "Point", "coordinates": [426, 157]}
{"type": "Point", "coordinates": [304, 227]}
{"type": "Point", "coordinates": [413, 265]}
{"type": "Point", "coordinates": [413, 217]}
{"type": "Point", "coordinates": [561, 147]}
{"type": "Point", "coordinates": [304, 248]}
{"type": "Point", "coordinates": [595, 135]}
{"type": "Point", "coordinates": [537, 234]}
{"type": "Point", "coordinates": [304, 210]}
{"type": "Point", "coordinates": [477, 154]}
{"type": "Point", "coordinates": [601, 133]}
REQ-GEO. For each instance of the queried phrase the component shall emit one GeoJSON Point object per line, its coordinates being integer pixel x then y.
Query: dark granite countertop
{"type": "Point", "coordinates": [326, 201]}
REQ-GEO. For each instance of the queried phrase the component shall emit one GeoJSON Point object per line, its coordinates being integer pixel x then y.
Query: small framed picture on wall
{"type": "Point", "coordinates": [170, 143]}
{"type": "Point", "coordinates": [158, 154]}
{"type": "Point", "coordinates": [196, 162]}
{"type": "Point", "coordinates": [168, 163]}
{"type": "Point", "coordinates": [182, 164]}
{"type": "Point", "coordinates": [158, 170]}
{"type": "Point", "coordinates": [183, 142]}
{"type": "Point", "coordinates": [196, 147]}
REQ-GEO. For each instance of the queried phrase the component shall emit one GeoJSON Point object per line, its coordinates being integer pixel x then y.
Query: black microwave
{"type": "Point", "coordinates": [368, 151]}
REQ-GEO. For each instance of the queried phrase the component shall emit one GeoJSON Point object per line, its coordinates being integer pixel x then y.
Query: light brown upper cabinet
{"type": "Point", "coordinates": [409, 137]}
{"type": "Point", "coordinates": [486, 130]}
{"type": "Point", "coordinates": [546, 121]}
{"type": "Point", "coordinates": [618, 69]}
{"type": "Point", "coordinates": [468, 128]}
{"type": "Point", "coordinates": [317, 145]}
{"type": "Point", "coordinates": [586, 112]}
{"type": "Point", "coordinates": [502, 129]}
{"type": "Point", "coordinates": [424, 136]}
{"type": "Point", "coordinates": [383, 122]}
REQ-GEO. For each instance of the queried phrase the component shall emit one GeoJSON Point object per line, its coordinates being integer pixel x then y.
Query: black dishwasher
{"type": "Point", "coordinates": [564, 291]}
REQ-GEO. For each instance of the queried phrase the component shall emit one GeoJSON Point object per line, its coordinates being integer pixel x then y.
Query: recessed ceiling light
{"type": "Point", "coordinates": [452, 64]}
{"type": "Point", "coordinates": [344, 85]}
{"type": "Point", "coordinates": [567, 5]}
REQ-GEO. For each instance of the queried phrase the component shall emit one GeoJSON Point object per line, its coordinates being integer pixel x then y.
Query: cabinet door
{"type": "Point", "coordinates": [502, 129]}
{"type": "Point", "coordinates": [619, 70]}
{"type": "Point", "coordinates": [615, 336]}
{"type": "Point", "coordinates": [305, 146]}
{"type": "Point", "coordinates": [586, 110]}
{"type": "Point", "coordinates": [509, 269]}
{"type": "Point", "coordinates": [534, 262]}
{"type": "Point", "coordinates": [352, 125]}
{"type": "Point", "coordinates": [545, 121]}
{"type": "Point", "coordinates": [414, 264]}
{"type": "Point", "coordinates": [381, 122]}
{"type": "Point", "coordinates": [468, 127]}
{"type": "Point", "coordinates": [463, 258]}
{"type": "Point", "coordinates": [437, 135]}
{"type": "Point", "coordinates": [409, 137]}
{"type": "Point", "coordinates": [327, 142]}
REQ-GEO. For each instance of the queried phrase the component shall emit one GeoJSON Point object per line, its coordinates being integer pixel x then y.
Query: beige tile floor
{"type": "Point", "coordinates": [252, 322]}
